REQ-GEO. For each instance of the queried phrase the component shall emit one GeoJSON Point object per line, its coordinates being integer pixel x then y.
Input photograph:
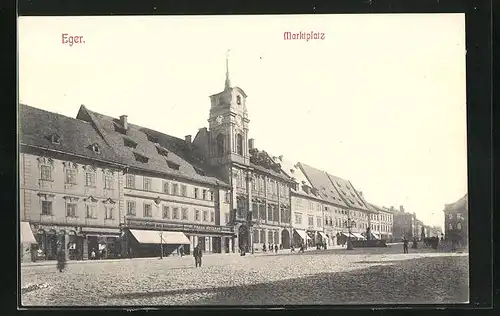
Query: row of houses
{"type": "Point", "coordinates": [101, 185]}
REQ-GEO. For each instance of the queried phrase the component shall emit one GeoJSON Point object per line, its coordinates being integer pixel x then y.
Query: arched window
{"type": "Point", "coordinates": [239, 144]}
{"type": "Point", "coordinates": [220, 145]}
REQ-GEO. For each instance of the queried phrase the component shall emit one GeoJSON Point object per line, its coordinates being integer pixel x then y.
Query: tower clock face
{"type": "Point", "coordinates": [219, 119]}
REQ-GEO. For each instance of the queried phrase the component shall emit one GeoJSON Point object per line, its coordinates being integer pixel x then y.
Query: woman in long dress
{"type": "Point", "coordinates": [61, 260]}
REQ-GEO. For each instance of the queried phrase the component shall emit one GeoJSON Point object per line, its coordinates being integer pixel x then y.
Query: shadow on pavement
{"type": "Point", "coordinates": [415, 281]}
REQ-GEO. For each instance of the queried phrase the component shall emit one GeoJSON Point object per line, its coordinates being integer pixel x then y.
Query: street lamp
{"type": "Point", "coordinates": [350, 224]}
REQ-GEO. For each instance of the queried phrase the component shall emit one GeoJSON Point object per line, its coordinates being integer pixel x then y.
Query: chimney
{"type": "Point", "coordinates": [123, 121]}
{"type": "Point", "coordinates": [203, 130]}
{"type": "Point", "coordinates": [361, 193]}
{"type": "Point", "coordinates": [401, 208]}
{"type": "Point", "coordinates": [251, 143]}
{"type": "Point", "coordinates": [280, 157]}
{"type": "Point", "coordinates": [188, 139]}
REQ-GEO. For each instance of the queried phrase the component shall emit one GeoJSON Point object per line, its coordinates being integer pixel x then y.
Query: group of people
{"type": "Point", "coordinates": [271, 248]}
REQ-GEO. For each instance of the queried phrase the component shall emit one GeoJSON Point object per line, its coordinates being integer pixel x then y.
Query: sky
{"type": "Point", "coordinates": [380, 101]}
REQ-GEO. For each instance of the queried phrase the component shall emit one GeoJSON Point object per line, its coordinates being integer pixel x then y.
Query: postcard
{"type": "Point", "coordinates": [243, 160]}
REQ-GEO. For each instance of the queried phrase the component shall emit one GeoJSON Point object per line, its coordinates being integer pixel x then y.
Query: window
{"type": "Point", "coordinates": [228, 197]}
{"type": "Point", "coordinates": [450, 216]}
{"type": "Point", "coordinates": [108, 182]}
{"type": "Point", "coordinates": [256, 235]}
{"type": "Point", "coordinates": [175, 189]}
{"type": "Point", "coordinates": [459, 225]}
{"type": "Point", "coordinates": [275, 213]}
{"type": "Point", "coordinates": [109, 212]}
{"type": "Point", "coordinates": [226, 217]}
{"type": "Point", "coordinates": [318, 221]}
{"type": "Point", "coordinates": [197, 216]}
{"type": "Point", "coordinates": [211, 195]}
{"type": "Point", "coordinates": [310, 221]}
{"type": "Point", "coordinates": [239, 144]}
{"type": "Point", "coordinates": [185, 214]}
{"type": "Point", "coordinates": [166, 212]}
{"type": "Point", "coordinates": [141, 158]}
{"type": "Point", "coordinates": [175, 213]}
{"type": "Point", "coordinates": [148, 210]}
{"type": "Point", "coordinates": [131, 208]}
{"type": "Point", "coordinates": [298, 218]}
{"type": "Point", "coordinates": [131, 181]}
{"type": "Point", "coordinates": [96, 149]}
{"type": "Point", "coordinates": [183, 190]}
{"type": "Point", "coordinates": [91, 211]}
{"type": "Point", "coordinates": [46, 173]}
{"type": "Point", "coordinates": [262, 211]}
{"type": "Point", "coordinates": [46, 207]}
{"type": "Point", "coordinates": [276, 237]}
{"type": "Point", "coordinates": [165, 187]}
{"type": "Point", "coordinates": [56, 139]}
{"type": "Point", "coordinates": [212, 216]}
{"type": "Point", "coordinates": [195, 193]}
{"type": "Point", "coordinates": [90, 179]}
{"type": "Point", "coordinates": [129, 143]}
{"type": "Point", "coordinates": [204, 194]}
{"type": "Point", "coordinates": [270, 236]}
{"type": "Point", "coordinates": [220, 145]}
{"type": "Point", "coordinates": [238, 99]}
{"type": "Point", "coordinates": [147, 184]}
{"type": "Point", "coordinates": [172, 165]}
{"type": "Point", "coordinates": [269, 213]}
{"type": "Point", "coordinates": [205, 216]}
{"type": "Point", "coordinates": [71, 209]}
{"type": "Point", "coordinates": [70, 176]}
{"type": "Point", "coordinates": [450, 226]}
{"type": "Point", "coordinates": [263, 236]}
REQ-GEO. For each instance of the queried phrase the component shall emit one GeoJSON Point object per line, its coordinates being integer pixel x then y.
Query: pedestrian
{"type": "Point", "coordinates": [276, 248]}
{"type": "Point", "coordinates": [61, 260]}
{"type": "Point", "coordinates": [264, 248]}
{"type": "Point", "coordinates": [92, 255]}
{"type": "Point", "coordinates": [181, 250]}
{"type": "Point", "coordinates": [197, 253]}
{"type": "Point", "coordinates": [292, 249]}
{"type": "Point", "coordinates": [405, 245]}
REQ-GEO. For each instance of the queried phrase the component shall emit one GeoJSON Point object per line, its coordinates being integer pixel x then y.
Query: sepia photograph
{"type": "Point", "coordinates": [242, 160]}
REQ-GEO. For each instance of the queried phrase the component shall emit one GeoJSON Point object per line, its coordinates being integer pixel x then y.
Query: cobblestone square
{"type": "Point", "coordinates": [372, 276]}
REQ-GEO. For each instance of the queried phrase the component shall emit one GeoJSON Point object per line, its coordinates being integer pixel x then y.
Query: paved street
{"type": "Point", "coordinates": [382, 275]}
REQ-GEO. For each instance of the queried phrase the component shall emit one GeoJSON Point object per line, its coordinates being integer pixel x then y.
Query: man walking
{"type": "Point", "coordinates": [197, 253]}
{"type": "Point", "coordinates": [405, 245]}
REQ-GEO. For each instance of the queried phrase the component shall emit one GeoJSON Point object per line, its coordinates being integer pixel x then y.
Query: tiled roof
{"type": "Point", "coordinates": [150, 150]}
{"type": "Point", "coordinates": [348, 192]}
{"type": "Point", "coordinates": [294, 172]}
{"type": "Point", "coordinates": [37, 127]}
{"type": "Point", "coordinates": [319, 179]}
{"type": "Point", "coordinates": [459, 205]}
{"type": "Point", "coordinates": [378, 208]}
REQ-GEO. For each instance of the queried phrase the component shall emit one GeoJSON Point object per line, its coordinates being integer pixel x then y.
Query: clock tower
{"type": "Point", "coordinates": [228, 126]}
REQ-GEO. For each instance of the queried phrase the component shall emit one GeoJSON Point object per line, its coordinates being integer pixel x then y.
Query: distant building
{"type": "Point", "coordinates": [456, 217]}
{"type": "Point", "coordinates": [404, 223]}
{"type": "Point", "coordinates": [383, 221]}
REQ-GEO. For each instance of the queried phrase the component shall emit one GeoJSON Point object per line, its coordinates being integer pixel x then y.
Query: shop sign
{"type": "Point", "coordinates": [181, 227]}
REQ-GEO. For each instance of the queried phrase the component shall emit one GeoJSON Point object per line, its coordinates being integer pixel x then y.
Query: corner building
{"type": "Point", "coordinates": [259, 195]}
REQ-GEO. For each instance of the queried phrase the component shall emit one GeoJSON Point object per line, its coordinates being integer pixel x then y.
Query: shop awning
{"type": "Point", "coordinates": [26, 234]}
{"type": "Point", "coordinates": [158, 237]}
{"type": "Point", "coordinates": [377, 236]}
{"type": "Point", "coordinates": [323, 235]}
{"type": "Point", "coordinates": [358, 236]}
{"type": "Point", "coordinates": [302, 234]}
{"type": "Point", "coordinates": [345, 235]}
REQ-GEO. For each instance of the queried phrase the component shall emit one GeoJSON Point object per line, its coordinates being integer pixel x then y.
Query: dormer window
{"type": "Point", "coordinates": [238, 100]}
{"type": "Point", "coordinates": [56, 139]}
{"type": "Point", "coordinates": [162, 151]}
{"type": "Point", "coordinates": [172, 165]}
{"type": "Point", "coordinates": [141, 158]}
{"type": "Point", "coordinates": [199, 171]}
{"type": "Point", "coordinates": [129, 143]}
{"type": "Point", "coordinates": [95, 148]}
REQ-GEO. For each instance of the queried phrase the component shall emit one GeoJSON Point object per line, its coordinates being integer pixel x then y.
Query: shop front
{"type": "Point", "coordinates": [173, 238]}
{"type": "Point", "coordinates": [300, 237]}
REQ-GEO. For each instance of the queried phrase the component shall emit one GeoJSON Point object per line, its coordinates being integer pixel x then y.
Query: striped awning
{"type": "Point", "coordinates": [302, 234]}
{"type": "Point", "coordinates": [26, 234]}
{"type": "Point", "coordinates": [158, 237]}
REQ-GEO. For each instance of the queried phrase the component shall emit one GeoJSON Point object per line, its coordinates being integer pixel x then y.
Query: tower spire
{"type": "Point", "coordinates": [228, 82]}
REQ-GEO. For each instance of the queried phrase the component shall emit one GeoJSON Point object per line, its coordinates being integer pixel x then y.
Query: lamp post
{"type": "Point", "coordinates": [350, 224]}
